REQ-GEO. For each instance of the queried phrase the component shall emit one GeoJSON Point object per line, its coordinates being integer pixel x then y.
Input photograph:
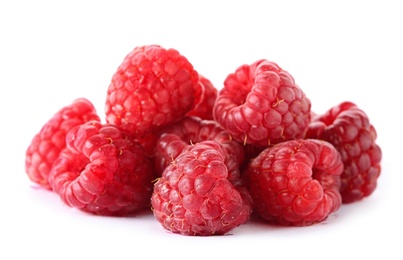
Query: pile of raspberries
{"type": "Point", "coordinates": [205, 159]}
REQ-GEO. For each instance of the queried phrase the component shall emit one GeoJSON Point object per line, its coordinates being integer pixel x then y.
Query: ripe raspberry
{"type": "Point", "coordinates": [194, 197]}
{"type": "Point", "coordinates": [47, 144]}
{"type": "Point", "coordinates": [205, 97]}
{"type": "Point", "coordinates": [102, 171]}
{"type": "Point", "coordinates": [169, 146]}
{"type": "Point", "coordinates": [191, 130]}
{"type": "Point", "coordinates": [251, 152]}
{"type": "Point", "coordinates": [152, 87]}
{"type": "Point", "coordinates": [348, 128]}
{"type": "Point", "coordinates": [260, 104]}
{"type": "Point", "coordinates": [295, 182]}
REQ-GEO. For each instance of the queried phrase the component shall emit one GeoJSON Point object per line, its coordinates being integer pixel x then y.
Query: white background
{"type": "Point", "coordinates": [53, 52]}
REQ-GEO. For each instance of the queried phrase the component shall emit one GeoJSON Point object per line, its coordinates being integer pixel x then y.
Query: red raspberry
{"type": "Point", "coordinates": [148, 141]}
{"type": "Point", "coordinates": [152, 87]}
{"type": "Point", "coordinates": [348, 128]}
{"type": "Point", "coordinates": [251, 152]}
{"type": "Point", "coordinates": [191, 130]}
{"type": "Point", "coordinates": [194, 196]}
{"type": "Point", "coordinates": [102, 171]}
{"type": "Point", "coordinates": [46, 145]}
{"type": "Point", "coordinates": [260, 104]}
{"type": "Point", "coordinates": [205, 97]}
{"type": "Point", "coordinates": [169, 146]}
{"type": "Point", "coordinates": [295, 182]}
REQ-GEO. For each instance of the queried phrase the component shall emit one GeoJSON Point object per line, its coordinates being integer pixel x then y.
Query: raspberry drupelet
{"type": "Point", "coordinates": [205, 97]}
{"type": "Point", "coordinates": [151, 88]}
{"type": "Point", "coordinates": [260, 104]}
{"type": "Point", "coordinates": [48, 143]}
{"type": "Point", "coordinates": [349, 129]}
{"type": "Point", "coordinates": [102, 171]}
{"type": "Point", "coordinates": [194, 195]}
{"type": "Point", "coordinates": [295, 183]}
{"type": "Point", "coordinates": [191, 130]}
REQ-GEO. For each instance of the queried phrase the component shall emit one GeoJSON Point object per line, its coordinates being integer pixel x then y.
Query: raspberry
{"type": "Point", "coordinates": [47, 144]}
{"type": "Point", "coordinates": [191, 130]}
{"type": "Point", "coordinates": [250, 151]}
{"type": "Point", "coordinates": [151, 88]}
{"type": "Point", "coordinates": [205, 97]}
{"type": "Point", "coordinates": [169, 146]}
{"type": "Point", "coordinates": [260, 104]}
{"type": "Point", "coordinates": [295, 182]}
{"type": "Point", "coordinates": [348, 128]}
{"type": "Point", "coordinates": [148, 142]}
{"type": "Point", "coordinates": [194, 197]}
{"type": "Point", "coordinates": [102, 171]}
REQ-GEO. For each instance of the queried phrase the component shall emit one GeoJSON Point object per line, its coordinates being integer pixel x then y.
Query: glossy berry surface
{"type": "Point", "coordinates": [191, 130]}
{"type": "Point", "coordinates": [194, 197]}
{"type": "Point", "coordinates": [48, 143]}
{"type": "Point", "coordinates": [295, 183]}
{"type": "Point", "coordinates": [260, 104]}
{"type": "Point", "coordinates": [151, 88]}
{"type": "Point", "coordinates": [349, 129]}
{"type": "Point", "coordinates": [102, 171]}
{"type": "Point", "coordinates": [205, 97]}
{"type": "Point", "coordinates": [205, 160]}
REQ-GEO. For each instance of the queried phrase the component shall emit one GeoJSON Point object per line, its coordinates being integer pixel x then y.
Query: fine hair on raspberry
{"type": "Point", "coordinates": [49, 142]}
{"type": "Point", "coordinates": [153, 86]}
{"type": "Point", "coordinates": [295, 183]}
{"type": "Point", "coordinates": [260, 104]}
{"type": "Point", "coordinates": [347, 127]}
{"type": "Point", "coordinates": [194, 196]}
{"type": "Point", "coordinates": [102, 171]}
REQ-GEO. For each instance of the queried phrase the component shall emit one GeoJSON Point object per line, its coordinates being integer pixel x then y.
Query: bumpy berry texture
{"type": "Point", "coordinates": [348, 128]}
{"type": "Point", "coordinates": [295, 182]}
{"type": "Point", "coordinates": [151, 88]}
{"type": "Point", "coordinates": [205, 97]}
{"type": "Point", "coordinates": [191, 130]}
{"type": "Point", "coordinates": [194, 197]}
{"type": "Point", "coordinates": [260, 104]}
{"type": "Point", "coordinates": [47, 144]}
{"type": "Point", "coordinates": [102, 171]}
{"type": "Point", "coordinates": [169, 146]}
